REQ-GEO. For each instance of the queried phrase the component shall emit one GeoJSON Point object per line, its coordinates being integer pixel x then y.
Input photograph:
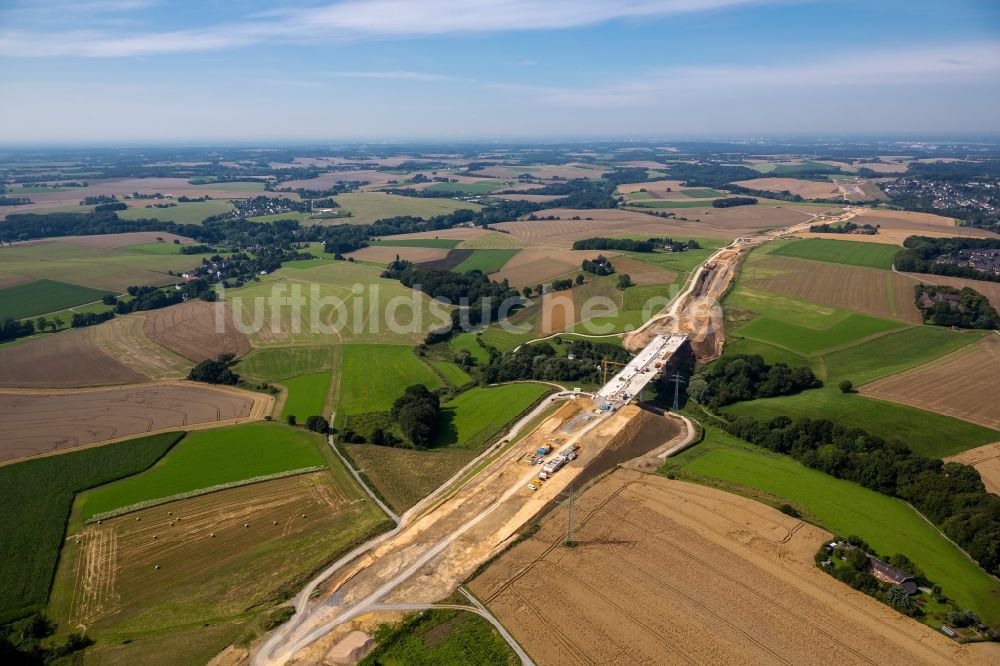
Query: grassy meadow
{"type": "Point", "coordinates": [192, 212]}
{"type": "Point", "coordinates": [486, 261]}
{"type": "Point", "coordinates": [307, 396]}
{"type": "Point", "coordinates": [207, 458]}
{"type": "Point", "coordinates": [366, 207]}
{"type": "Point", "coordinates": [852, 253]}
{"type": "Point", "coordinates": [373, 376]}
{"type": "Point", "coordinates": [38, 497]}
{"type": "Point", "coordinates": [39, 297]}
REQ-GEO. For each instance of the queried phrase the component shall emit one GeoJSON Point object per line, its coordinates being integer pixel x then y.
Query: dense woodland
{"type": "Point", "coordinates": [540, 360]}
{"type": "Point", "coordinates": [920, 252]}
{"type": "Point", "coordinates": [962, 308]}
{"type": "Point", "coordinates": [747, 377]}
{"type": "Point", "coordinates": [951, 495]}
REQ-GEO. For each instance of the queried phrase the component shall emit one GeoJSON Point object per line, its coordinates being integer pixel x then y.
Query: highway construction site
{"type": "Point", "coordinates": [442, 541]}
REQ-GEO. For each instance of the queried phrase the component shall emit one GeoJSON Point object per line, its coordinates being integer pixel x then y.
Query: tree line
{"type": "Point", "coordinates": [951, 495]}
{"type": "Point", "coordinates": [920, 252]}
{"type": "Point", "coordinates": [747, 377]}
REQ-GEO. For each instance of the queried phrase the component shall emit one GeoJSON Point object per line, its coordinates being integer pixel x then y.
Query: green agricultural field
{"type": "Point", "coordinates": [872, 255]}
{"type": "Point", "coordinates": [467, 342]}
{"type": "Point", "coordinates": [38, 497]}
{"type": "Point", "coordinates": [403, 477]}
{"type": "Point", "coordinates": [209, 458]}
{"type": "Point", "coordinates": [666, 203]}
{"type": "Point", "coordinates": [479, 187]}
{"type": "Point", "coordinates": [277, 363]}
{"type": "Point", "coordinates": [373, 376]}
{"type": "Point", "coordinates": [451, 372]}
{"type": "Point", "coordinates": [232, 185]}
{"type": "Point", "coordinates": [233, 593]}
{"type": "Point", "coordinates": [472, 418]}
{"type": "Point", "coordinates": [895, 352]}
{"type": "Point", "coordinates": [350, 307]}
{"type": "Point", "coordinates": [844, 508]}
{"type": "Point", "coordinates": [445, 637]}
{"type": "Point", "coordinates": [926, 433]}
{"type": "Point", "coordinates": [98, 268]}
{"type": "Point", "coordinates": [806, 340]}
{"type": "Point", "coordinates": [702, 193]}
{"type": "Point", "coordinates": [42, 297]}
{"type": "Point", "coordinates": [800, 326]}
{"type": "Point", "coordinates": [679, 262]}
{"type": "Point", "coordinates": [636, 297]}
{"type": "Point", "coordinates": [192, 212]}
{"type": "Point", "coordinates": [486, 261]}
{"type": "Point", "coordinates": [446, 243]}
{"type": "Point", "coordinates": [157, 248]}
{"type": "Point", "coordinates": [366, 207]}
{"type": "Point", "coordinates": [307, 396]}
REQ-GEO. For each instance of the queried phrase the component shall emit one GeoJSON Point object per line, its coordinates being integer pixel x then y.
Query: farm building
{"type": "Point", "coordinates": [890, 574]}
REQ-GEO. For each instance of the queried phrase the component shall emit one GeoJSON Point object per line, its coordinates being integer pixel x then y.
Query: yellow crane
{"type": "Point", "coordinates": [605, 362]}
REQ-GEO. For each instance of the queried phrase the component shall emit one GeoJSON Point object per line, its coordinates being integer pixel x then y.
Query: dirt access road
{"type": "Point", "coordinates": [696, 311]}
{"type": "Point", "coordinates": [425, 560]}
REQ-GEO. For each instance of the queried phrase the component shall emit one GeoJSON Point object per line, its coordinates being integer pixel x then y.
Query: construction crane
{"type": "Point", "coordinates": [605, 362]}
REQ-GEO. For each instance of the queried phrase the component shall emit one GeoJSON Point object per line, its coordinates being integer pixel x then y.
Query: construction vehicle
{"type": "Point", "coordinates": [543, 450]}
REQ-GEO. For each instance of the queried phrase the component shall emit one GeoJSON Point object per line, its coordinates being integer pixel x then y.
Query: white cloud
{"type": "Point", "coordinates": [391, 76]}
{"type": "Point", "coordinates": [347, 20]}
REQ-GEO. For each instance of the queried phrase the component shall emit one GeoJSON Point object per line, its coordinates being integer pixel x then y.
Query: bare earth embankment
{"type": "Point", "coordinates": [37, 422]}
{"type": "Point", "coordinates": [669, 572]}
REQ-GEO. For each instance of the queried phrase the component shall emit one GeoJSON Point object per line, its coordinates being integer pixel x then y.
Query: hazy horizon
{"type": "Point", "coordinates": [100, 72]}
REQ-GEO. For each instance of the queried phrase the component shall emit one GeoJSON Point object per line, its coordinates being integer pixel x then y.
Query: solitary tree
{"type": "Point", "coordinates": [579, 279]}
{"type": "Point", "coordinates": [899, 598]}
{"type": "Point", "coordinates": [291, 420]}
{"type": "Point", "coordinates": [526, 292]}
{"type": "Point", "coordinates": [846, 386]}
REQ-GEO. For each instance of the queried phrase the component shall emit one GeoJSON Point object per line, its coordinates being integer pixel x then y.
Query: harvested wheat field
{"type": "Point", "coordinates": [491, 240]}
{"type": "Point", "coordinates": [986, 460]}
{"type": "Point", "coordinates": [63, 360]}
{"type": "Point", "coordinates": [807, 189]}
{"type": "Point", "coordinates": [196, 330]}
{"type": "Point", "coordinates": [870, 290]}
{"type": "Point", "coordinates": [112, 241]}
{"type": "Point", "coordinates": [457, 233]}
{"type": "Point", "coordinates": [384, 254]}
{"type": "Point", "coordinates": [668, 572]}
{"type": "Point", "coordinates": [184, 552]}
{"type": "Point", "coordinates": [962, 384]}
{"type": "Point", "coordinates": [530, 267]}
{"type": "Point", "coordinates": [990, 290]}
{"type": "Point", "coordinates": [558, 312]}
{"type": "Point", "coordinates": [724, 223]}
{"type": "Point", "coordinates": [897, 225]}
{"type": "Point", "coordinates": [35, 422]}
{"type": "Point", "coordinates": [326, 181]}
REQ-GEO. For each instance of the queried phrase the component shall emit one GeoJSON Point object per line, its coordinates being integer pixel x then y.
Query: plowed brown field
{"type": "Point", "coordinates": [531, 266]}
{"type": "Point", "coordinates": [193, 330]}
{"type": "Point", "coordinates": [35, 422]}
{"type": "Point", "coordinates": [962, 384]}
{"type": "Point", "coordinates": [667, 572]}
{"type": "Point", "coordinates": [870, 290]}
{"type": "Point", "coordinates": [986, 460]}
{"type": "Point", "coordinates": [643, 273]}
{"type": "Point", "coordinates": [63, 360]}
{"type": "Point", "coordinates": [807, 189]}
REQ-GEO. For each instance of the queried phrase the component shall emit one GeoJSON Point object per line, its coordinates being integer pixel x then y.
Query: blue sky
{"type": "Point", "coordinates": [244, 70]}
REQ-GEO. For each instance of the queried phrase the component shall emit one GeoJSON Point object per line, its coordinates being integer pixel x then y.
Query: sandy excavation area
{"type": "Point", "coordinates": [961, 384]}
{"type": "Point", "coordinates": [668, 572]}
{"type": "Point", "coordinates": [36, 422]}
